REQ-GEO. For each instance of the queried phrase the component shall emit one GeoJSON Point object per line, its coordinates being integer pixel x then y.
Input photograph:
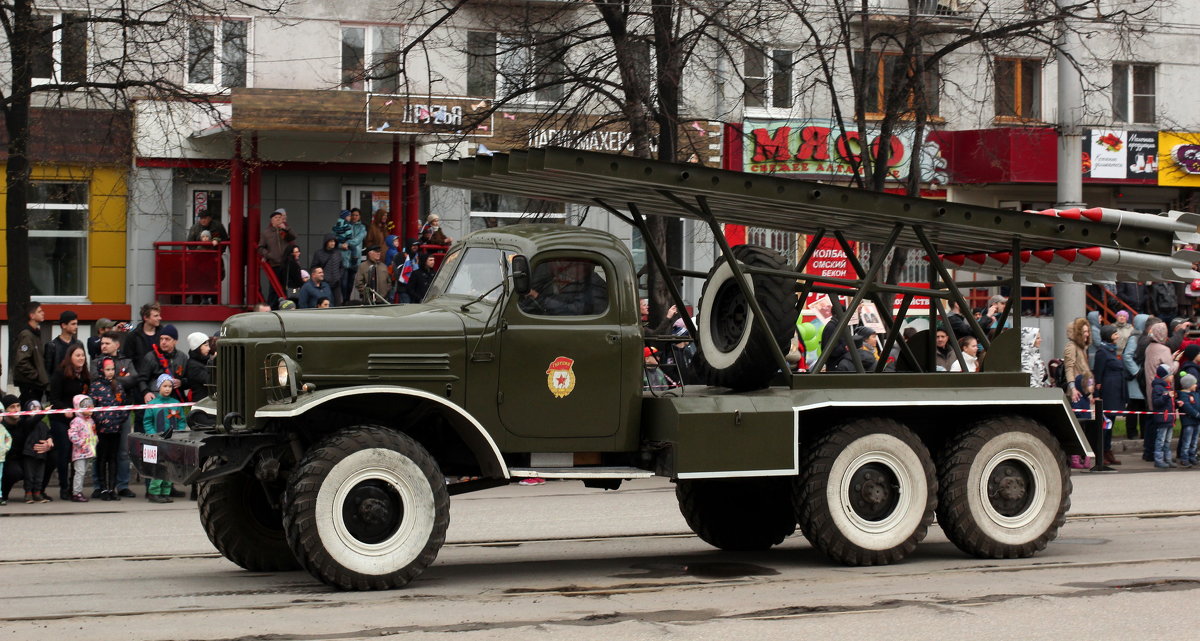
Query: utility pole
{"type": "Point", "coordinates": [1069, 298]}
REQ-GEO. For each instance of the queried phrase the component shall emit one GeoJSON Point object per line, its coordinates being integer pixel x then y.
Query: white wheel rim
{"type": "Point", "coordinates": [912, 492]}
{"type": "Point", "coordinates": [717, 358]}
{"type": "Point", "coordinates": [402, 476]}
{"type": "Point", "coordinates": [1036, 503]}
{"type": "Point", "coordinates": [1038, 516]}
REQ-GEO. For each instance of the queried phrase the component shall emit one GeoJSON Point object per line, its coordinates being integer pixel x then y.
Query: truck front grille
{"type": "Point", "coordinates": [231, 380]}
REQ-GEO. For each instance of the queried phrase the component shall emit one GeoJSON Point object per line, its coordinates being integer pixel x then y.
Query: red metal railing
{"type": "Point", "coordinates": [188, 272]}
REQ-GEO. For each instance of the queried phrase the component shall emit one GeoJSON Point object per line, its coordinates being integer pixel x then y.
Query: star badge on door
{"type": "Point", "coordinates": [560, 378]}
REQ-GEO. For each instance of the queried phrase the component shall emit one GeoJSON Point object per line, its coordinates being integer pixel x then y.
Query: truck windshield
{"type": "Point", "coordinates": [470, 272]}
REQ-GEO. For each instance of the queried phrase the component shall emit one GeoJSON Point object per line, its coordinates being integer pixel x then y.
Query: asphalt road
{"type": "Point", "coordinates": [559, 561]}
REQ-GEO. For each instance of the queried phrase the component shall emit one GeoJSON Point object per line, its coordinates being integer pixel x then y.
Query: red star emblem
{"type": "Point", "coordinates": [562, 380]}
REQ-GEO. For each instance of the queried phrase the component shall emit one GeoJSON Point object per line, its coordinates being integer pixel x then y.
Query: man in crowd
{"type": "Point", "coordinates": [206, 223]}
{"type": "Point", "coordinates": [29, 366]}
{"type": "Point", "coordinates": [110, 347]}
{"type": "Point", "coordinates": [103, 326]}
{"type": "Point", "coordinates": [145, 336]}
{"type": "Point", "coordinates": [274, 245]}
{"type": "Point", "coordinates": [163, 358]}
{"type": "Point", "coordinates": [372, 280]}
{"type": "Point", "coordinates": [261, 307]}
{"type": "Point", "coordinates": [56, 349]}
{"type": "Point", "coordinates": [315, 289]}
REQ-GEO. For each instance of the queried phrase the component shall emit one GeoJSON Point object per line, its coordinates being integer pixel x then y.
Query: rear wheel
{"type": "Point", "coordinates": [733, 352]}
{"type": "Point", "coordinates": [242, 522]}
{"type": "Point", "coordinates": [738, 514]}
{"type": "Point", "coordinates": [1005, 489]}
{"type": "Point", "coordinates": [367, 509]}
{"type": "Point", "coordinates": [866, 492]}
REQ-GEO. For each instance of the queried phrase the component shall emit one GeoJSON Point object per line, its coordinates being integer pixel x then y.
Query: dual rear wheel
{"type": "Point", "coordinates": [868, 490]}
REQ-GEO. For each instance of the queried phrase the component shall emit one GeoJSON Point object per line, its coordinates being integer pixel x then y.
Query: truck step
{"type": "Point", "coordinates": [580, 472]}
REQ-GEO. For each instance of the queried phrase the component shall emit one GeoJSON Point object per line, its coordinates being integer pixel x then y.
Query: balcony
{"type": "Point", "coordinates": [929, 14]}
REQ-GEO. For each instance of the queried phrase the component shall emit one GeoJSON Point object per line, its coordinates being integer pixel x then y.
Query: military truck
{"type": "Point", "coordinates": [332, 435]}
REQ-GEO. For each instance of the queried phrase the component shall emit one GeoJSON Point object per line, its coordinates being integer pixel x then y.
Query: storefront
{"type": "Point", "coordinates": [77, 204]}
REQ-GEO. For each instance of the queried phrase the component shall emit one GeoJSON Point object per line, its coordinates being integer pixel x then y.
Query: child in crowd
{"type": "Point", "coordinates": [82, 435]}
{"type": "Point", "coordinates": [1084, 411]}
{"type": "Point", "coordinates": [37, 431]}
{"type": "Point", "coordinates": [162, 421]}
{"type": "Point", "coordinates": [6, 440]}
{"type": "Point", "coordinates": [108, 392]}
{"type": "Point", "coordinates": [1162, 422]}
{"type": "Point", "coordinates": [1189, 417]}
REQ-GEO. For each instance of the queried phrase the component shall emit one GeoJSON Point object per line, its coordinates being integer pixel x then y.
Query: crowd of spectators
{"type": "Point", "coordinates": [120, 366]}
{"type": "Point", "coordinates": [357, 263]}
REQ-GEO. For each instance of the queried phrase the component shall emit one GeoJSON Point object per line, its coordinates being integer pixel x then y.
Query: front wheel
{"type": "Point", "coordinates": [1005, 489]}
{"type": "Point", "coordinates": [242, 521]}
{"type": "Point", "coordinates": [866, 492]}
{"type": "Point", "coordinates": [367, 509]}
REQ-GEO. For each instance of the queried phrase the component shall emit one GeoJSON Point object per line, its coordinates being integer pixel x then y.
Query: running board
{"type": "Point", "coordinates": [580, 472]}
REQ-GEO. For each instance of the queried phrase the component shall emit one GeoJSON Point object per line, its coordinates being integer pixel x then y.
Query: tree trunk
{"type": "Point", "coordinates": [16, 123]}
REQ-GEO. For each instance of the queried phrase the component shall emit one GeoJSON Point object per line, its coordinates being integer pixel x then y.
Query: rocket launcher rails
{"type": "Point", "coordinates": [1083, 264]}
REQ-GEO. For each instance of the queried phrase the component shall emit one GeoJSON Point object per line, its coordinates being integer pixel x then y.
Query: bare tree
{"type": "Point", "coordinates": [95, 56]}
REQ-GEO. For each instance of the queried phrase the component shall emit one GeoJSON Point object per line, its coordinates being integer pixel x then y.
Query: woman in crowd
{"type": "Point", "coordinates": [70, 379]}
{"type": "Point", "coordinates": [1110, 384]}
{"type": "Point", "coordinates": [970, 351]}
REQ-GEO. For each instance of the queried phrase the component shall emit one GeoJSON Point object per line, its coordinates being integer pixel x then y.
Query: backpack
{"type": "Point", "coordinates": [1056, 371]}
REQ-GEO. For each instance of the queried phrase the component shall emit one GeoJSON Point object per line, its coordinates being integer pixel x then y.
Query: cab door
{"type": "Point", "coordinates": [561, 367]}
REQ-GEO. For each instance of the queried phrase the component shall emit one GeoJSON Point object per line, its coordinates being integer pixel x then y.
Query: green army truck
{"type": "Point", "coordinates": [334, 438]}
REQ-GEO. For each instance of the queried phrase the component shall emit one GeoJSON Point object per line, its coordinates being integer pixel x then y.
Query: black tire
{"type": "Point", "coordinates": [1025, 499]}
{"type": "Point", "coordinates": [732, 352]}
{"type": "Point", "coordinates": [866, 492]}
{"type": "Point", "coordinates": [367, 509]}
{"type": "Point", "coordinates": [239, 519]}
{"type": "Point", "coordinates": [738, 514]}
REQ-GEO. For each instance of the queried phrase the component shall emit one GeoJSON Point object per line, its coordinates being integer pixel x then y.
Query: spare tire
{"type": "Point", "coordinates": [733, 351]}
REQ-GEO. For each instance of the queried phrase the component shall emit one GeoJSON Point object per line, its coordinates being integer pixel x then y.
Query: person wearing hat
{"type": "Point", "coordinates": [199, 348]}
{"type": "Point", "coordinates": [1111, 389]}
{"type": "Point", "coordinates": [162, 421]}
{"type": "Point", "coordinates": [103, 326]}
{"type": "Point", "coordinates": [273, 246]}
{"type": "Point", "coordinates": [56, 349]}
{"type": "Point", "coordinates": [329, 259]}
{"type": "Point", "coordinates": [431, 231]}
{"type": "Point", "coordinates": [206, 223]}
{"type": "Point", "coordinates": [372, 280]}
{"type": "Point", "coordinates": [162, 359]}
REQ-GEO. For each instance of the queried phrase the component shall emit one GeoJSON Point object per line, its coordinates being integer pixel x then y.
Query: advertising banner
{"type": "Point", "coordinates": [821, 148]}
{"type": "Point", "coordinates": [828, 260]}
{"type": "Point", "coordinates": [1179, 159]}
{"type": "Point", "coordinates": [1116, 154]}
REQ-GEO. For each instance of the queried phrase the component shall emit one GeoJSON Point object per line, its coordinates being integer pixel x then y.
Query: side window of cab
{"type": "Point", "coordinates": [567, 287]}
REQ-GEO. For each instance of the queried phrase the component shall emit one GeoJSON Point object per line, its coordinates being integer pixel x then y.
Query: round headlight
{"type": "Point", "coordinates": [281, 373]}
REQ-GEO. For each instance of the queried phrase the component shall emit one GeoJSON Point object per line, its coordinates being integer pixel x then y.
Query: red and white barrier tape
{"type": "Point", "coordinates": [1078, 411]}
{"type": "Point", "coordinates": [110, 408]}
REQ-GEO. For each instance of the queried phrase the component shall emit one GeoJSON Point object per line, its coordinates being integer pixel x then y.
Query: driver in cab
{"type": "Point", "coordinates": [566, 287]}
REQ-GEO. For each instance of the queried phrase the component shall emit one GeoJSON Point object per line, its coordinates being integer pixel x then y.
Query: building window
{"type": "Point", "coordinates": [497, 210]}
{"type": "Point", "coordinates": [371, 59]}
{"type": "Point", "coordinates": [1133, 92]}
{"type": "Point", "coordinates": [768, 79]}
{"type": "Point", "coordinates": [481, 64]}
{"type": "Point", "coordinates": [217, 53]}
{"type": "Point", "coordinates": [1018, 88]}
{"type": "Point", "coordinates": [887, 68]}
{"type": "Point", "coordinates": [58, 234]}
{"type": "Point", "coordinates": [529, 72]}
{"type": "Point", "coordinates": [59, 51]}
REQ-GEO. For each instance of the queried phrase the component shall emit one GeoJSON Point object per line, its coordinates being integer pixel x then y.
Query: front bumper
{"type": "Point", "coordinates": [176, 459]}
